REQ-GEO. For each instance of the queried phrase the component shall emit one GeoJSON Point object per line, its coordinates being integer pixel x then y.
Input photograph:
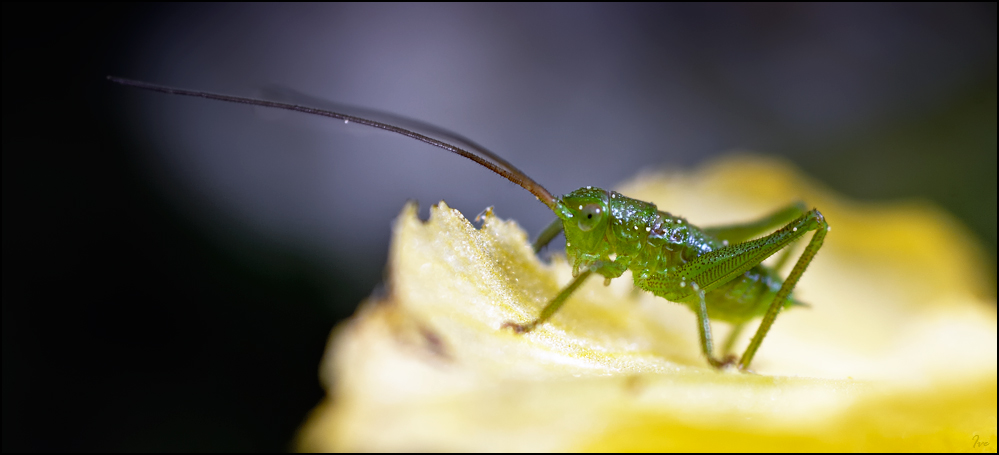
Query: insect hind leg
{"type": "Point", "coordinates": [812, 220]}
{"type": "Point", "coordinates": [741, 232]}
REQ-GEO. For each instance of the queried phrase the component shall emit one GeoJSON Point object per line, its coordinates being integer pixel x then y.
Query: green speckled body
{"type": "Point", "coordinates": [661, 250]}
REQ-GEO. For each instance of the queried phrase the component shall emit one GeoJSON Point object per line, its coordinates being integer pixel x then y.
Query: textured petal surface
{"type": "Point", "coordinates": [896, 352]}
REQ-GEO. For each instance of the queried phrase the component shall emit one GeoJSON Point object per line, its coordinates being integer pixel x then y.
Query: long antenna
{"type": "Point", "coordinates": [479, 154]}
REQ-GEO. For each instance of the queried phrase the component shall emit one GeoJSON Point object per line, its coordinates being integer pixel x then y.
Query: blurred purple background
{"type": "Point", "coordinates": [172, 266]}
{"type": "Point", "coordinates": [572, 94]}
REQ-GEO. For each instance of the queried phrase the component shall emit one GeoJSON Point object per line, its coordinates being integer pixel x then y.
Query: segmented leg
{"type": "Point", "coordinates": [546, 236]}
{"type": "Point", "coordinates": [552, 306]}
{"type": "Point", "coordinates": [741, 232]}
{"type": "Point", "coordinates": [704, 328]}
{"type": "Point", "coordinates": [716, 268]}
{"type": "Point", "coordinates": [820, 227]}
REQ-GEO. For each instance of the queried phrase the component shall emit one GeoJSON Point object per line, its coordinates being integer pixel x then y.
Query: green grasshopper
{"type": "Point", "coordinates": [717, 272]}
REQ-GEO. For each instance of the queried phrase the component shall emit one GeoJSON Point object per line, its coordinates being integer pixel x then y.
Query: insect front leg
{"type": "Point", "coordinates": [552, 306]}
{"type": "Point", "coordinates": [546, 236]}
{"type": "Point", "coordinates": [608, 269]}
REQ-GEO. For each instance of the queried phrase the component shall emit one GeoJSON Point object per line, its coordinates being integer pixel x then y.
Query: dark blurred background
{"type": "Point", "coordinates": [172, 267]}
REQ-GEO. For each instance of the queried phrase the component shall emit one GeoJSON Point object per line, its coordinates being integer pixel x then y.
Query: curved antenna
{"type": "Point", "coordinates": [479, 154]}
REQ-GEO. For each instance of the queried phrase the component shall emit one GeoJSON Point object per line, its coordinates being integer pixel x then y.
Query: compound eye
{"type": "Point", "coordinates": [590, 216]}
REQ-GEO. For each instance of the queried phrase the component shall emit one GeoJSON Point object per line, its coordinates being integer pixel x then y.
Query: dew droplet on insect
{"type": "Point", "coordinates": [794, 229]}
{"type": "Point", "coordinates": [345, 121]}
{"type": "Point", "coordinates": [647, 229]}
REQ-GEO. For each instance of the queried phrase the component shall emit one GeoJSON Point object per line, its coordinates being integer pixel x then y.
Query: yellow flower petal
{"type": "Point", "coordinates": [896, 352]}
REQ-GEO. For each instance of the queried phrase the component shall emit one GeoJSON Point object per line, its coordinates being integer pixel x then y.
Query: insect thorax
{"type": "Point", "coordinates": [600, 223]}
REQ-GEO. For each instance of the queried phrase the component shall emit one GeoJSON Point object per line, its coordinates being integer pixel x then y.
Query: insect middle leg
{"type": "Point", "coordinates": [704, 328]}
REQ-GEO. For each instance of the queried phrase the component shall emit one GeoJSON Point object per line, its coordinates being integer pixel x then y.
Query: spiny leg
{"type": "Point", "coordinates": [741, 232]}
{"type": "Point", "coordinates": [716, 268]}
{"type": "Point", "coordinates": [821, 227]}
{"type": "Point", "coordinates": [704, 328]}
{"type": "Point", "coordinates": [552, 306]}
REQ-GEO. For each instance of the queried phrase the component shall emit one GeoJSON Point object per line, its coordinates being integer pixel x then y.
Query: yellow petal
{"type": "Point", "coordinates": [896, 352]}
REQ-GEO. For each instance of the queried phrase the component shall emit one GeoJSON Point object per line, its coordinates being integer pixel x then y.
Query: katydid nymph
{"type": "Point", "coordinates": [717, 272]}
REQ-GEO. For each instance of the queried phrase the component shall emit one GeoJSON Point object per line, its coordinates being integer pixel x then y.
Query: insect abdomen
{"type": "Point", "coordinates": [746, 296]}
